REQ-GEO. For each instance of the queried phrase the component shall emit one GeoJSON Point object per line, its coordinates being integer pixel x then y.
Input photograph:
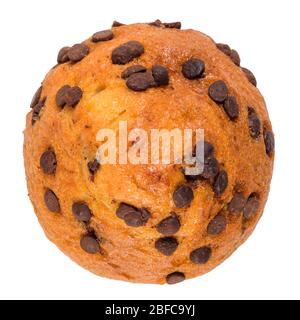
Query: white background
{"type": "Point", "coordinates": [266, 34]}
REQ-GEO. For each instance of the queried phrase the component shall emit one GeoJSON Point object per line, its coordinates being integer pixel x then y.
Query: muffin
{"type": "Point", "coordinates": [148, 223]}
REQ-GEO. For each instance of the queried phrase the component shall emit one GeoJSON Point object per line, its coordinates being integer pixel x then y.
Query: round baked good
{"type": "Point", "coordinates": [148, 223]}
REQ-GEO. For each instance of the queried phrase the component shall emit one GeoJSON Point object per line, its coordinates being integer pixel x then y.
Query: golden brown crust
{"type": "Point", "coordinates": [129, 253]}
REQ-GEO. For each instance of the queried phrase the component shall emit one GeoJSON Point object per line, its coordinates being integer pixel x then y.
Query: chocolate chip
{"type": "Point", "coordinates": [160, 75]}
{"type": "Point", "coordinates": [116, 24]}
{"type": "Point", "coordinates": [193, 69]}
{"type": "Point", "coordinates": [251, 207]}
{"type": "Point", "coordinates": [232, 108]}
{"type": "Point", "coordinates": [51, 201]}
{"type": "Point", "coordinates": [104, 35]}
{"type": "Point", "coordinates": [140, 81]}
{"type": "Point", "coordinates": [67, 95]}
{"type": "Point", "coordinates": [62, 56]}
{"type": "Point", "coordinates": [173, 25]}
{"type": "Point", "coordinates": [217, 225]}
{"type": "Point", "coordinates": [78, 52]}
{"type": "Point", "coordinates": [210, 169]}
{"type": "Point", "coordinates": [169, 226]}
{"type": "Point", "coordinates": [132, 216]}
{"type": "Point", "coordinates": [183, 196]}
{"type": "Point", "coordinates": [90, 244]}
{"type": "Point", "coordinates": [254, 123]}
{"type": "Point", "coordinates": [237, 203]}
{"type": "Point", "coordinates": [250, 76]}
{"type": "Point", "coordinates": [234, 56]}
{"type": "Point", "coordinates": [208, 149]}
{"type": "Point", "coordinates": [156, 23]}
{"type": "Point", "coordinates": [200, 255]}
{"type": "Point", "coordinates": [127, 52]}
{"type": "Point", "coordinates": [269, 142]}
{"type": "Point", "coordinates": [167, 246]}
{"type": "Point", "coordinates": [175, 277]}
{"type": "Point", "coordinates": [221, 183]}
{"type": "Point", "coordinates": [131, 70]}
{"type": "Point", "coordinates": [60, 96]}
{"type": "Point", "coordinates": [125, 209]}
{"type": "Point", "coordinates": [48, 162]}
{"type": "Point", "coordinates": [191, 178]}
{"type": "Point", "coordinates": [137, 218]}
{"type": "Point", "coordinates": [81, 211]}
{"type": "Point", "coordinates": [224, 48]}
{"type": "Point", "coordinates": [93, 166]}
{"type": "Point", "coordinates": [37, 110]}
{"type": "Point", "coordinates": [210, 164]}
{"type": "Point", "coordinates": [218, 91]}
{"type": "Point", "coordinates": [36, 98]}
{"type": "Point", "coordinates": [146, 215]}
{"type": "Point", "coordinates": [73, 96]}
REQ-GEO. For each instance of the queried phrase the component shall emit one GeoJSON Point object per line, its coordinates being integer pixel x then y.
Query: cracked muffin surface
{"type": "Point", "coordinates": [148, 223]}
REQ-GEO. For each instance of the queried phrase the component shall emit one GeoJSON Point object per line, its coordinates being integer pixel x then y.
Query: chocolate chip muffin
{"type": "Point", "coordinates": [148, 223]}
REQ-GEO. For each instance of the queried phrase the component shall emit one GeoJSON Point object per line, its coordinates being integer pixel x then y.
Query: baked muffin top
{"type": "Point", "coordinates": [148, 223]}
